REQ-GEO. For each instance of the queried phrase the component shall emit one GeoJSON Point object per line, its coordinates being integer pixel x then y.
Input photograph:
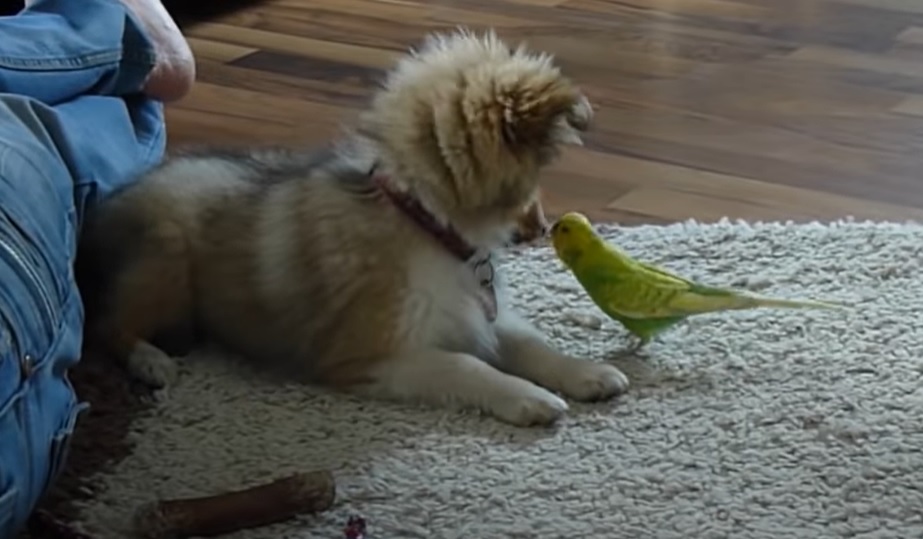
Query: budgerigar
{"type": "Point", "coordinates": [646, 300]}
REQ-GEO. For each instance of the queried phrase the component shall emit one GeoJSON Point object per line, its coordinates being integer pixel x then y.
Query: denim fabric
{"type": "Point", "coordinates": [58, 157]}
{"type": "Point", "coordinates": [57, 49]}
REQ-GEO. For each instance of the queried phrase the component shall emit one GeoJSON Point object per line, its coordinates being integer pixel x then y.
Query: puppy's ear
{"type": "Point", "coordinates": [543, 112]}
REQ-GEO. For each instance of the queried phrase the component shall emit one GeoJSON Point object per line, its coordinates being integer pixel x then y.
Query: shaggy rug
{"type": "Point", "coordinates": [760, 424]}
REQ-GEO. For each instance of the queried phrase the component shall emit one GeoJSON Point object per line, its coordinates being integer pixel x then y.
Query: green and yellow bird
{"type": "Point", "coordinates": [645, 299]}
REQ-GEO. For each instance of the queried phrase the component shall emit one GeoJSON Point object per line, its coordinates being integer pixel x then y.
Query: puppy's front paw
{"type": "Point", "coordinates": [533, 406]}
{"type": "Point", "coordinates": [150, 365]}
{"type": "Point", "coordinates": [592, 381]}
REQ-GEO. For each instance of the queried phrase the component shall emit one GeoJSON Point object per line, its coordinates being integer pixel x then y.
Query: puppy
{"type": "Point", "coordinates": [368, 266]}
{"type": "Point", "coordinates": [532, 225]}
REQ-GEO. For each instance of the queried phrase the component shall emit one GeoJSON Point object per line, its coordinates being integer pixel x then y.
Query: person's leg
{"type": "Point", "coordinates": [55, 162]}
{"type": "Point", "coordinates": [55, 50]}
{"type": "Point", "coordinates": [105, 142]}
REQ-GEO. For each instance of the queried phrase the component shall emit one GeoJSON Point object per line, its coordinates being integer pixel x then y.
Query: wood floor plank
{"type": "Point", "coordinates": [754, 109]}
{"type": "Point", "coordinates": [339, 74]}
{"type": "Point", "coordinates": [911, 105]}
{"type": "Point", "coordinates": [712, 8]}
{"type": "Point", "coordinates": [897, 6]}
{"type": "Point", "coordinates": [206, 49]}
{"type": "Point", "coordinates": [912, 35]}
{"type": "Point", "coordinates": [670, 192]}
{"type": "Point", "coordinates": [408, 12]}
{"type": "Point", "coordinates": [242, 103]}
{"type": "Point", "coordinates": [360, 28]}
{"type": "Point", "coordinates": [264, 79]}
{"type": "Point", "coordinates": [543, 3]}
{"type": "Point", "coordinates": [835, 57]}
{"type": "Point", "coordinates": [262, 40]}
{"type": "Point", "coordinates": [773, 155]}
{"type": "Point", "coordinates": [185, 127]}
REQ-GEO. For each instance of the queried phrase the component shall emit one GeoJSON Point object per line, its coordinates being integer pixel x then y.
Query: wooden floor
{"type": "Point", "coordinates": [756, 109]}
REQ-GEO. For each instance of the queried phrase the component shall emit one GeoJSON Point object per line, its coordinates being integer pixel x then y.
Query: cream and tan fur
{"type": "Point", "coordinates": [296, 259]}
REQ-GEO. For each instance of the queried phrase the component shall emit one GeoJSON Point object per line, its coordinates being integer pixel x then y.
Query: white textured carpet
{"type": "Point", "coordinates": [764, 424]}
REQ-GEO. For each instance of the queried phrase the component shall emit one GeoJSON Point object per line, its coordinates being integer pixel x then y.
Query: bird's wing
{"type": "Point", "coordinates": [664, 278]}
{"type": "Point", "coordinates": [643, 293]}
{"type": "Point", "coordinates": [683, 297]}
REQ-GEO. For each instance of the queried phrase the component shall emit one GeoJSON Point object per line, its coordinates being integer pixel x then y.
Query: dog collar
{"type": "Point", "coordinates": [445, 235]}
{"type": "Point", "coordinates": [482, 267]}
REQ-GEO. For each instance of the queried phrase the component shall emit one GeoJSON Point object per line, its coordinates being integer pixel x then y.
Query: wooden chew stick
{"type": "Point", "coordinates": [224, 513]}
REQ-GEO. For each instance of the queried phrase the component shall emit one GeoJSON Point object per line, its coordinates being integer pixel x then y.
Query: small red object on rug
{"type": "Point", "coordinates": [355, 528]}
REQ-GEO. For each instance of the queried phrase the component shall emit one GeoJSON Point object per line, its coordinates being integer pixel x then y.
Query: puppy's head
{"type": "Point", "coordinates": [466, 123]}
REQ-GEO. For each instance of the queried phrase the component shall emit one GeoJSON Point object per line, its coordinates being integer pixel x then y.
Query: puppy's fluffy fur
{"type": "Point", "coordinates": [298, 259]}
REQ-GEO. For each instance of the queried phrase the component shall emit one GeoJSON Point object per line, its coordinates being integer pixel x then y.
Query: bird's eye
{"type": "Point", "coordinates": [559, 227]}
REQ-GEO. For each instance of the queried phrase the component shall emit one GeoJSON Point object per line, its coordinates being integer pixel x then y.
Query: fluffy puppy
{"type": "Point", "coordinates": [365, 266]}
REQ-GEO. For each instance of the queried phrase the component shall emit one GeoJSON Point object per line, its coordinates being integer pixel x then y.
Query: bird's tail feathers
{"type": "Point", "coordinates": [753, 301]}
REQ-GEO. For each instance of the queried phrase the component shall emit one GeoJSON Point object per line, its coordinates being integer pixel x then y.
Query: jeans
{"type": "Point", "coordinates": [74, 128]}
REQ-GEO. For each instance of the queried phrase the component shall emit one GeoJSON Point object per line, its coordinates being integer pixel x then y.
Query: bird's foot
{"type": "Point", "coordinates": [637, 344]}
